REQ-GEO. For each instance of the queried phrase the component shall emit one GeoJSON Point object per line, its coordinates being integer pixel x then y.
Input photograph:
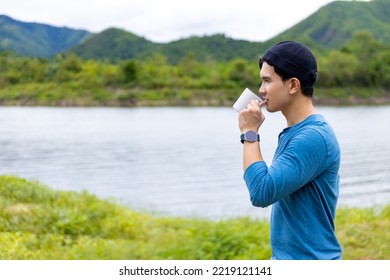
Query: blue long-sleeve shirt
{"type": "Point", "coordinates": [302, 185]}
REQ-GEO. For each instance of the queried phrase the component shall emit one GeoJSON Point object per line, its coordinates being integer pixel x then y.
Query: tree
{"type": "Point", "coordinates": [130, 71]}
{"type": "Point", "coordinates": [242, 73]}
{"type": "Point", "coordinates": [189, 67]}
{"type": "Point", "coordinates": [338, 69]}
{"type": "Point", "coordinates": [367, 51]}
{"type": "Point", "coordinates": [67, 67]}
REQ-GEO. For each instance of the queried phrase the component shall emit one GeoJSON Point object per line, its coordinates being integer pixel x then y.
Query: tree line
{"type": "Point", "coordinates": [70, 80]}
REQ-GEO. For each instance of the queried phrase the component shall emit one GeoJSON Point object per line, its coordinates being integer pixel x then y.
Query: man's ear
{"type": "Point", "coordinates": [295, 85]}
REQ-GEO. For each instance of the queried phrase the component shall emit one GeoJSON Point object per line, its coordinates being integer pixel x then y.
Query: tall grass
{"type": "Point", "coordinates": [37, 222]}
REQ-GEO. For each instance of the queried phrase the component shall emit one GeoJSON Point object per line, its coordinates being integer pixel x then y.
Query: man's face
{"type": "Point", "coordinates": [273, 89]}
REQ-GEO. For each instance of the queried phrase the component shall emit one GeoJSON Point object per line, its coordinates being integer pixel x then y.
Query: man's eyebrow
{"type": "Point", "coordinates": [265, 77]}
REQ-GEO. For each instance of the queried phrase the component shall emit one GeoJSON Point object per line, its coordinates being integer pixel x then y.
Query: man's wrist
{"type": "Point", "coordinates": [249, 136]}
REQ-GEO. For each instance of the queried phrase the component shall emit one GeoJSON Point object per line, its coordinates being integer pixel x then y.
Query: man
{"type": "Point", "coordinates": [302, 183]}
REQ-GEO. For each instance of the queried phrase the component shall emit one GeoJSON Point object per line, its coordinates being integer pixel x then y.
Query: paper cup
{"type": "Point", "coordinates": [245, 98]}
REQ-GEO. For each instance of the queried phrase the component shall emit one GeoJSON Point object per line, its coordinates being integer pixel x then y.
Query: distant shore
{"type": "Point", "coordinates": [65, 96]}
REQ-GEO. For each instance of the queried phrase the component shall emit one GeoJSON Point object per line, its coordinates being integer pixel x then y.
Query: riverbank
{"type": "Point", "coordinates": [35, 219]}
{"type": "Point", "coordinates": [68, 94]}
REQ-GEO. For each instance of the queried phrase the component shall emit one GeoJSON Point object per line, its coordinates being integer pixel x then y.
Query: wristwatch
{"type": "Point", "coordinates": [250, 136]}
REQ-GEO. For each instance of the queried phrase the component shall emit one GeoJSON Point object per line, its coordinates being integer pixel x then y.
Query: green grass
{"type": "Point", "coordinates": [37, 222]}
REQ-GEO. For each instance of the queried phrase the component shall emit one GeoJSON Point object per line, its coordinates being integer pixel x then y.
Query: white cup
{"type": "Point", "coordinates": [245, 98]}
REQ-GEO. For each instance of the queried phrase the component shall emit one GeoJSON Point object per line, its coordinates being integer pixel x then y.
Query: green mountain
{"type": "Point", "coordinates": [328, 28]}
{"type": "Point", "coordinates": [35, 39]}
{"type": "Point", "coordinates": [217, 47]}
{"type": "Point", "coordinates": [334, 24]}
{"type": "Point", "coordinates": [116, 44]}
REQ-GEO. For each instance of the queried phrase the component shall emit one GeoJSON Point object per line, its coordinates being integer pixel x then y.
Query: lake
{"type": "Point", "coordinates": [179, 161]}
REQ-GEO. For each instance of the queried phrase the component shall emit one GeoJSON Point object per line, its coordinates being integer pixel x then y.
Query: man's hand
{"type": "Point", "coordinates": [252, 117]}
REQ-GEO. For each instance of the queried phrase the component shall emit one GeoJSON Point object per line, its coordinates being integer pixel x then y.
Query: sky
{"type": "Point", "coordinates": [164, 21]}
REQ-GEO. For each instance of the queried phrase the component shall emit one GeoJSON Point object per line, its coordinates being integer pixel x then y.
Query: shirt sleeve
{"type": "Point", "coordinates": [302, 160]}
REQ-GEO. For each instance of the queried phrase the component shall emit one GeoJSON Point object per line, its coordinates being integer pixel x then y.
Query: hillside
{"type": "Point", "coordinates": [334, 24]}
{"type": "Point", "coordinates": [35, 39]}
{"type": "Point", "coordinates": [113, 44]}
{"type": "Point", "coordinates": [116, 44]}
{"type": "Point", "coordinates": [218, 47]}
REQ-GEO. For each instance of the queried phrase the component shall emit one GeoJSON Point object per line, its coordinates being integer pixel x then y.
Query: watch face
{"type": "Point", "coordinates": [251, 136]}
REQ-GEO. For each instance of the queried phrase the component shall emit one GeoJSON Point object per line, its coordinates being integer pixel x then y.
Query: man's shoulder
{"type": "Point", "coordinates": [316, 125]}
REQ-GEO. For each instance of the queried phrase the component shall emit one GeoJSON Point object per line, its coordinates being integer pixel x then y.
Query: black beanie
{"type": "Point", "coordinates": [294, 59]}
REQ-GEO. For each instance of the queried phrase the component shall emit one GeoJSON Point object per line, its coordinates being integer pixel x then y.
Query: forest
{"type": "Point", "coordinates": [358, 72]}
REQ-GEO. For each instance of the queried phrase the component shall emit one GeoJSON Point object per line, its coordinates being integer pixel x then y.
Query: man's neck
{"type": "Point", "coordinates": [298, 111]}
